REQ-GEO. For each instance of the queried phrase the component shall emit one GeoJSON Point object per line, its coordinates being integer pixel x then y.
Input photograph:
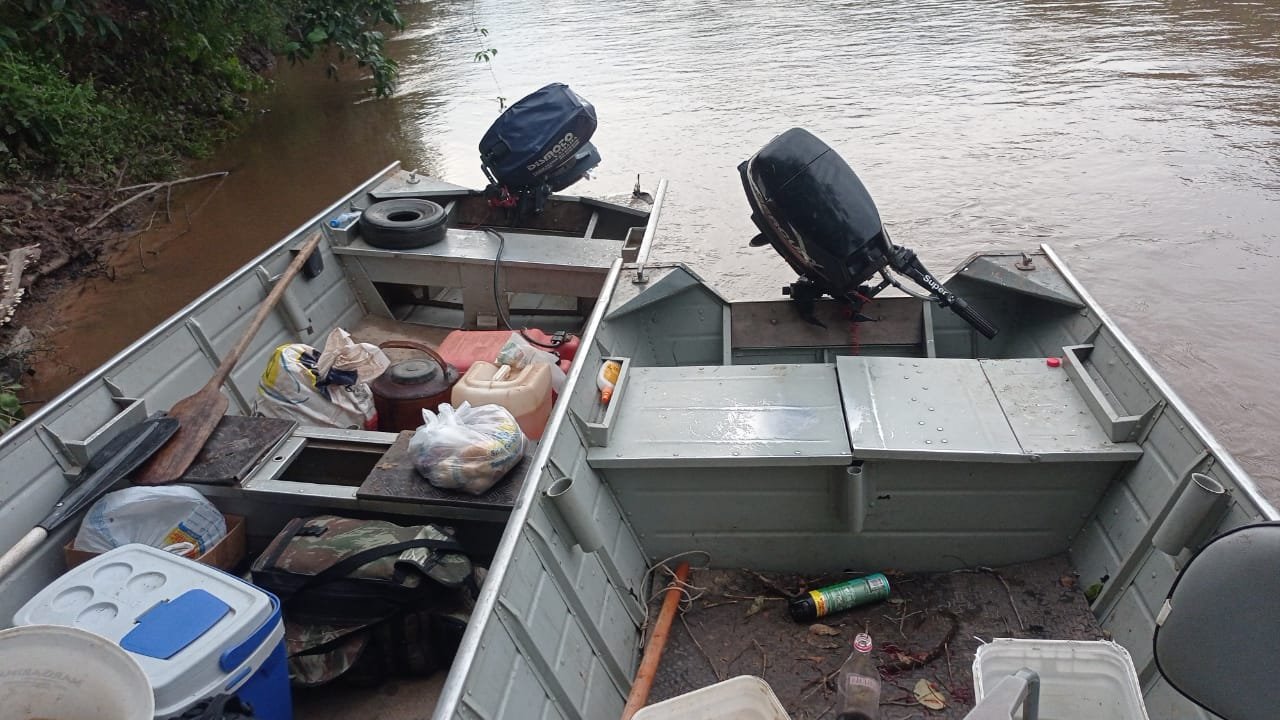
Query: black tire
{"type": "Point", "coordinates": [403, 224]}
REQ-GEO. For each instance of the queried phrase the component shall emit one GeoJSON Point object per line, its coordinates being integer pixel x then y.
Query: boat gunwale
{"type": "Point", "coordinates": [650, 230]}
{"type": "Point", "coordinates": [1239, 475]}
{"type": "Point", "coordinates": [451, 694]}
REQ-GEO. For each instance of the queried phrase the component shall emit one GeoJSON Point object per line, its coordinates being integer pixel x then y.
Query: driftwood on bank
{"type": "Point", "coordinates": [11, 289]}
{"type": "Point", "coordinates": [148, 189]}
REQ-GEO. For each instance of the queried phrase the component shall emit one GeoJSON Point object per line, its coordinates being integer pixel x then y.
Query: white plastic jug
{"type": "Point", "coordinates": [52, 671]}
{"type": "Point", "coordinates": [525, 393]}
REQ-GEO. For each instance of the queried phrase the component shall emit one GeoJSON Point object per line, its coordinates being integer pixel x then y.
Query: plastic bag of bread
{"type": "Point", "coordinates": [468, 448]}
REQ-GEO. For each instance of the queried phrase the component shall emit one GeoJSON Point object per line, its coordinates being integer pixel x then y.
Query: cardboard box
{"type": "Point", "coordinates": [225, 554]}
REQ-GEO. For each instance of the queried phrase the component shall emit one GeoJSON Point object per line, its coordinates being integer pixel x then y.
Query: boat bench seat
{"type": "Point", "coordinates": [870, 462]}
{"type": "Point", "coordinates": [344, 470]}
{"type": "Point", "coordinates": [727, 416]}
{"type": "Point", "coordinates": [547, 264]}
{"type": "Point", "coordinates": [1006, 410]}
{"type": "Point", "coordinates": [863, 408]}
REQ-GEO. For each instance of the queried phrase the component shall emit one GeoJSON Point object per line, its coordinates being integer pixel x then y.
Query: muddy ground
{"type": "Point", "coordinates": [73, 232]}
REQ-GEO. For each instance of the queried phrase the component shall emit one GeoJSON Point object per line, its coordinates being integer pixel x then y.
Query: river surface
{"type": "Point", "coordinates": [1140, 139]}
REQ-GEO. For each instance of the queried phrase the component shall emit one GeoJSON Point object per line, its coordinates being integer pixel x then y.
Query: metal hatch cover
{"type": "Point", "coordinates": [1004, 410]}
{"type": "Point", "coordinates": [721, 416]}
{"type": "Point", "coordinates": [923, 408]}
{"type": "Point", "coordinates": [1049, 417]}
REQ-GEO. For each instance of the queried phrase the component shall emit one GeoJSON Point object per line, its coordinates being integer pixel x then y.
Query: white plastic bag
{"type": "Point", "coordinates": [342, 353]}
{"type": "Point", "coordinates": [161, 517]}
{"type": "Point", "coordinates": [329, 388]}
{"type": "Point", "coordinates": [466, 449]}
{"type": "Point", "coordinates": [518, 352]}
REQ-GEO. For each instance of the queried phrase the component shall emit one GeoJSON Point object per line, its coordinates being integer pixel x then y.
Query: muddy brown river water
{"type": "Point", "coordinates": [1140, 139]}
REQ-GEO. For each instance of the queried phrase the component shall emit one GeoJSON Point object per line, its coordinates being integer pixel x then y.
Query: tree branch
{"type": "Point", "coordinates": [148, 190]}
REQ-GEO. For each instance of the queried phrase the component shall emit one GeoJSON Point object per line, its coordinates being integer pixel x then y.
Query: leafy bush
{"type": "Point", "coordinates": [49, 123]}
{"type": "Point", "coordinates": [10, 407]}
{"type": "Point", "coordinates": [350, 26]}
{"type": "Point", "coordinates": [86, 85]}
{"type": "Point", "coordinates": [39, 105]}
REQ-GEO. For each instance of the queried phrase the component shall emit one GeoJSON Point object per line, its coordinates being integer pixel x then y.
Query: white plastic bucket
{"type": "Point", "coordinates": [51, 671]}
{"type": "Point", "coordinates": [745, 697]}
{"type": "Point", "coordinates": [1078, 679]}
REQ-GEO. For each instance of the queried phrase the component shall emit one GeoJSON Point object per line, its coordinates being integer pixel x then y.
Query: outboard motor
{"type": "Point", "coordinates": [809, 204]}
{"type": "Point", "coordinates": [537, 147]}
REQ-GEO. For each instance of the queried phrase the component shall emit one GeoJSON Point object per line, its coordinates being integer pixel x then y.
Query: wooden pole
{"type": "Point", "coordinates": [657, 643]}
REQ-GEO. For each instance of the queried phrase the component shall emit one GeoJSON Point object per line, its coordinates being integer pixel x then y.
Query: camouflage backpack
{"type": "Point", "coordinates": [409, 643]}
{"type": "Point", "coordinates": [367, 595]}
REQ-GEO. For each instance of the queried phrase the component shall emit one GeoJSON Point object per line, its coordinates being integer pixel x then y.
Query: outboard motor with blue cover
{"type": "Point", "coordinates": [809, 204]}
{"type": "Point", "coordinates": [540, 145]}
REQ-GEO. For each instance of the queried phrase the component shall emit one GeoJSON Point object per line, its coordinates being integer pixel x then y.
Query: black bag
{"type": "Point", "coordinates": [331, 569]}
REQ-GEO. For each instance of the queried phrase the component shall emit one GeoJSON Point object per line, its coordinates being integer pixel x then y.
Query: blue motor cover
{"type": "Point", "coordinates": [541, 139]}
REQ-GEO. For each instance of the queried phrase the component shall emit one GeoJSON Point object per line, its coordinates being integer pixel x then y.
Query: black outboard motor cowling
{"type": "Point", "coordinates": [538, 146]}
{"type": "Point", "coordinates": [810, 205]}
{"type": "Point", "coordinates": [815, 212]}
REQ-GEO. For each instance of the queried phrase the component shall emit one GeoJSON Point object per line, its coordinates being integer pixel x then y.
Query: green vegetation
{"type": "Point", "coordinates": [487, 55]}
{"type": "Point", "coordinates": [10, 406]}
{"type": "Point", "coordinates": [89, 87]}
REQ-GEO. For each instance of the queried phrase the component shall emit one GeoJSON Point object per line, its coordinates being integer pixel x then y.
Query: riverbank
{"type": "Point", "coordinates": [59, 243]}
{"type": "Point", "coordinates": [46, 248]}
{"type": "Point", "coordinates": [95, 96]}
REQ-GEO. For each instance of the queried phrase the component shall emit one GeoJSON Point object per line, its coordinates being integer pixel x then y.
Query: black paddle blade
{"type": "Point", "coordinates": [118, 443]}
{"type": "Point", "coordinates": [119, 457]}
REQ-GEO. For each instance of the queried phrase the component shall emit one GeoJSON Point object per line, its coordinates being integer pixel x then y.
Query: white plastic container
{"type": "Point", "coordinates": [197, 632]}
{"type": "Point", "coordinates": [1078, 679]}
{"type": "Point", "coordinates": [745, 697]}
{"type": "Point", "coordinates": [525, 393]}
{"type": "Point", "coordinates": [49, 671]}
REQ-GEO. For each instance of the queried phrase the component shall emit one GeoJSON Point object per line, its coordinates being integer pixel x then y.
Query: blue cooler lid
{"type": "Point", "coordinates": [174, 624]}
{"type": "Point", "coordinates": [190, 626]}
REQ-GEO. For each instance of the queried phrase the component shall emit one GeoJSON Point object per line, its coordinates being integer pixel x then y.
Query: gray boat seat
{"type": "Point", "coordinates": [1001, 411]}
{"type": "Point", "coordinates": [545, 264]}
{"type": "Point", "coordinates": [801, 467]}
{"type": "Point", "coordinates": [727, 416]}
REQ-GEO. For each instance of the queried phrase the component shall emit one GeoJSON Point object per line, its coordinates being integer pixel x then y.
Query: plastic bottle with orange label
{"type": "Point", "coordinates": [607, 378]}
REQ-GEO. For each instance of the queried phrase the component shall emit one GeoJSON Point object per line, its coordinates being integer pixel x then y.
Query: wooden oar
{"type": "Point", "coordinates": [108, 466]}
{"type": "Point", "coordinates": [200, 413]}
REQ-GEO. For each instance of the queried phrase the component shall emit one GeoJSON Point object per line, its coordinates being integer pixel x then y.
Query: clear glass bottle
{"type": "Point", "coordinates": [858, 684]}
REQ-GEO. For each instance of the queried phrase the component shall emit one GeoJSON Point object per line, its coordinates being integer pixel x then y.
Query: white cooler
{"type": "Point", "coordinates": [1078, 679]}
{"type": "Point", "coordinates": [199, 634]}
{"type": "Point", "coordinates": [745, 697]}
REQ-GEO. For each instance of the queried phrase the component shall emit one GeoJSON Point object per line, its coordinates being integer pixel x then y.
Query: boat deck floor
{"type": "Point", "coordinates": [377, 330]}
{"type": "Point", "coordinates": [395, 699]}
{"type": "Point", "coordinates": [929, 628]}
